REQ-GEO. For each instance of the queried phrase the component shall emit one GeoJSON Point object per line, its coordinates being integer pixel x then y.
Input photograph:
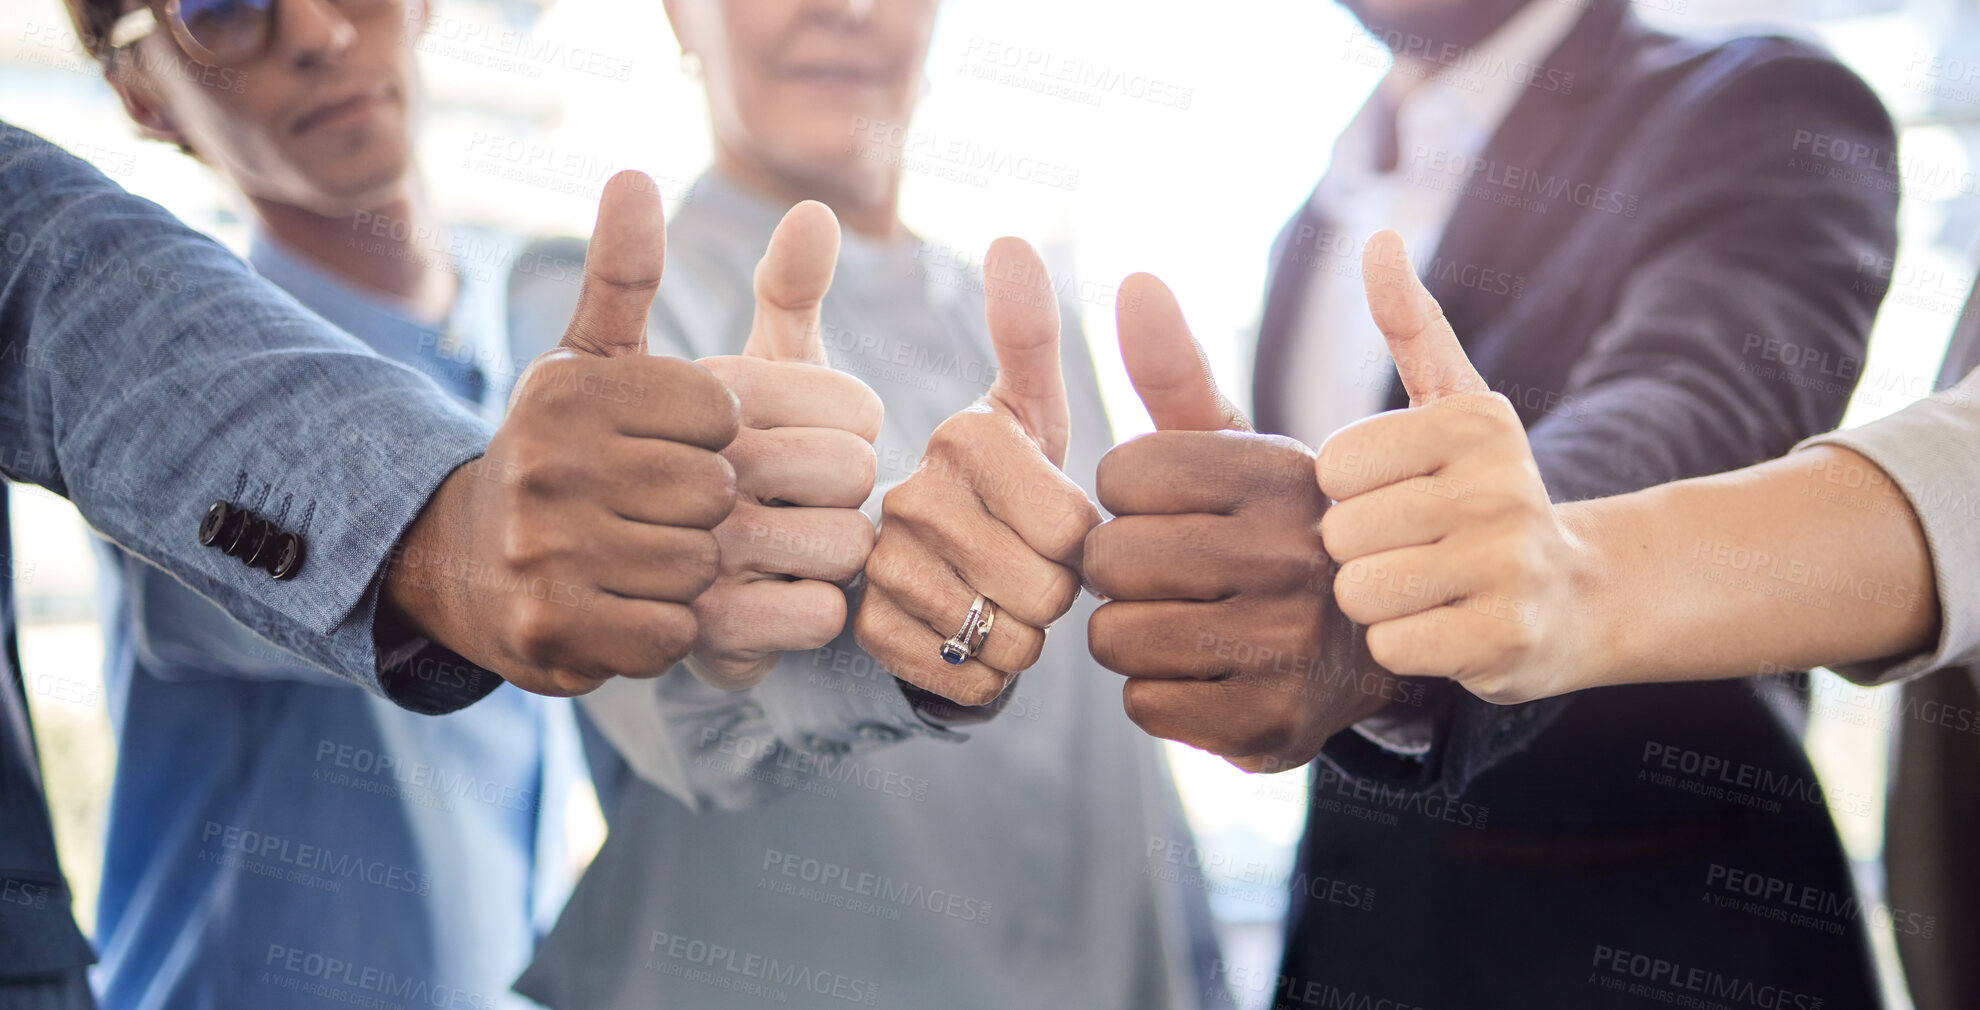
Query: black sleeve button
{"type": "Point", "coordinates": [221, 525]}
{"type": "Point", "coordinates": [254, 531]}
{"type": "Point", "coordinates": [262, 551]}
{"type": "Point", "coordinates": [258, 543]}
{"type": "Point", "coordinates": [286, 558]}
{"type": "Point", "coordinates": [234, 531]}
{"type": "Point", "coordinates": [215, 519]}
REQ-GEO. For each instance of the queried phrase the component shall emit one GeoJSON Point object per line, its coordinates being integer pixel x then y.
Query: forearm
{"type": "Point", "coordinates": [141, 361]}
{"type": "Point", "coordinates": [1810, 560]}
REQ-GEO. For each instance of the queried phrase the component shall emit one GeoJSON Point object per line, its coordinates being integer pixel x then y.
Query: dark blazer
{"type": "Point", "coordinates": [1932, 825]}
{"type": "Point", "coordinates": [1665, 269]}
{"type": "Point", "coordinates": [37, 936]}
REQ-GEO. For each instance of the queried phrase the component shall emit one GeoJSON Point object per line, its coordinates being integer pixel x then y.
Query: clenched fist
{"type": "Point", "coordinates": [573, 555]}
{"type": "Point", "coordinates": [804, 464]}
{"type": "Point", "coordinates": [1219, 612]}
{"type": "Point", "coordinates": [988, 512]}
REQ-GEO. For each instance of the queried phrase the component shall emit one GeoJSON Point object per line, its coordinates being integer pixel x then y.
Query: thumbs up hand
{"type": "Point", "coordinates": [987, 513]}
{"type": "Point", "coordinates": [571, 551]}
{"type": "Point", "coordinates": [804, 465]}
{"type": "Point", "coordinates": [1448, 545]}
{"type": "Point", "coordinates": [1213, 565]}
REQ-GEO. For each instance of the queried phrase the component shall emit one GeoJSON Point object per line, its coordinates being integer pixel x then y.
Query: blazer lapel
{"type": "Point", "coordinates": [1533, 135]}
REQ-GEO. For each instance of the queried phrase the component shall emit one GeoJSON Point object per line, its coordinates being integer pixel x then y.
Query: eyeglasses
{"type": "Point", "coordinates": [214, 32]}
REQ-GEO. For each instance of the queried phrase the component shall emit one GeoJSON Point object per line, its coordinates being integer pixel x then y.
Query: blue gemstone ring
{"type": "Point", "coordinates": [976, 627]}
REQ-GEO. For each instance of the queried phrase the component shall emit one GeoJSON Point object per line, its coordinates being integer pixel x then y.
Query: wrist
{"type": "Point", "coordinates": [1603, 627]}
{"type": "Point", "coordinates": [413, 591]}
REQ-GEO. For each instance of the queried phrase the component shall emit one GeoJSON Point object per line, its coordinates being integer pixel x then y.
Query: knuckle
{"type": "Point", "coordinates": [1354, 599]}
{"type": "Point", "coordinates": [538, 634]}
{"type": "Point", "coordinates": [1024, 654]}
{"type": "Point", "coordinates": [734, 540]}
{"type": "Point", "coordinates": [1097, 553]}
{"type": "Point", "coordinates": [1077, 518]}
{"type": "Point", "coordinates": [1480, 417]}
{"type": "Point", "coordinates": [563, 683]}
{"type": "Point", "coordinates": [725, 672]}
{"type": "Point", "coordinates": [1524, 646]}
{"type": "Point", "coordinates": [1141, 709]}
{"type": "Point", "coordinates": [551, 379]}
{"type": "Point", "coordinates": [695, 558]}
{"type": "Point", "coordinates": [1338, 464]}
{"type": "Point", "coordinates": [680, 373]}
{"type": "Point", "coordinates": [1055, 597]}
{"type": "Point", "coordinates": [853, 545]}
{"type": "Point", "coordinates": [1100, 636]}
{"type": "Point", "coordinates": [525, 544]}
{"type": "Point", "coordinates": [912, 502]}
{"type": "Point", "coordinates": [1388, 646]}
{"type": "Point", "coordinates": [824, 621]}
{"type": "Point", "coordinates": [952, 436]}
{"type": "Point", "coordinates": [1342, 531]}
{"type": "Point", "coordinates": [1269, 736]}
{"type": "Point", "coordinates": [887, 567]}
{"type": "Point", "coordinates": [979, 691]}
{"type": "Point", "coordinates": [1113, 469]}
{"type": "Point", "coordinates": [700, 390]}
{"type": "Point", "coordinates": [532, 452]}
{"type": "Point", "coordinates": [1497, 499]}
{"type": "Point", "coordinates": [1280, 564]}
{"type": "Point", "coordinates": [865, 625]}
{"type": "Point", "coordinates": [1498, 406]}
{"type": "Point", "coordinates": [1526, 561]}
{"type": "Point", "coordinates": [868, 471]}
{"type": "Point", "coordinates": [673, 634]}
{"type": "Point", "coordinates": [718, 474]}
{"type": "Point", "coordinates": [867, 414]}
{"type": "Point", "coordinates": [1285, 451]}
{"type": "Point", "coordinates": [701, 560]}
{"type": "Point", "coordinates": [728, 369]}
{"type": "Point", "coordinates": [709, 497]}
{"type": "Point", "coordinates": [1282, 454]}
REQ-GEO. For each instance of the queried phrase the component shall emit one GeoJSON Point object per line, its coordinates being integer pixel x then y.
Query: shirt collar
{"type": "Point", "coordinates": [383, 324]}
{"type": "Point", "coordinates": [1458, 108]}
{"type": "Point", "coordinates": [322, 290]}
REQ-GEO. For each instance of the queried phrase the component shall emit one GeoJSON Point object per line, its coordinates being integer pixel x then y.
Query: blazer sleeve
{"type": "Point", "coordinates": [1738, 327]}
{"type": "Point", "coordinates": [146, 373]}
{"type": "Point", "coordinates": [1931, 451]}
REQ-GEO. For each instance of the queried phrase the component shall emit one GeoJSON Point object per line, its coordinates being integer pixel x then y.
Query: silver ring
{"type": "Point", "coordinates": [962, 646]}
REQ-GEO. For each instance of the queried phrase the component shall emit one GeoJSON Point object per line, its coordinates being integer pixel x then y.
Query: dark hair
{"type": "Point", "coordinates": [93, 20]}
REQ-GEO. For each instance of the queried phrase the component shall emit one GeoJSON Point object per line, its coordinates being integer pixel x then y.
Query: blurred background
{"type": "Point", "coordinates": [534, 103]}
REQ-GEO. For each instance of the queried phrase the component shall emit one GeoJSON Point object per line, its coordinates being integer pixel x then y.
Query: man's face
{"type": "Point", "coordinates": [320, 120]}
{"type": "Point", "coordinates": [1462, 23]}
{"type": "Point", "coordinates": [794, 85]}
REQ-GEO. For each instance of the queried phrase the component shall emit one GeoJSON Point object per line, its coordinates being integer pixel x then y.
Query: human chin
{"type": "Point", "coordinates": [356, 178]}
{"type": "Point", "coordinates": [836, 169]}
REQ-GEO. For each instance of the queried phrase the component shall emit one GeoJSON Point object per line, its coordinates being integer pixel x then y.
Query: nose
{"type": "Point", "coordinates": [850, 12]}
{"type": "Point", "coordinates": [312, 33]}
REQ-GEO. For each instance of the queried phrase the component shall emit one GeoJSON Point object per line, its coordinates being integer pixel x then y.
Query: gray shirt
{"type": "Point", "coordinates": [1931, 450]}
{"type": "Point", "coordinates": [897, 865]}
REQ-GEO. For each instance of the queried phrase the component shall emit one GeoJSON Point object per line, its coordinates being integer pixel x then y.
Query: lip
{"type": "Point", "coordinates": [341, 109]}
{"type": "Point", "coordinates": [838, 75]}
